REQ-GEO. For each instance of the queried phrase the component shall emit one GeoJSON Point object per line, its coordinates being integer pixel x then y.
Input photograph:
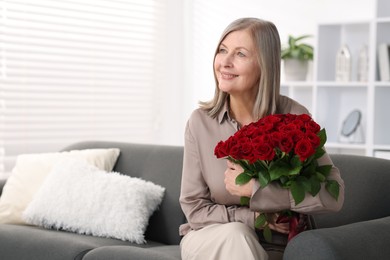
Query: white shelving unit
{"type": "Point", "coordinates": [330, 101]}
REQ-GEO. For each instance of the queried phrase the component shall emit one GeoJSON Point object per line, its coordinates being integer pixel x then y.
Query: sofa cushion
{"type": "Point", "coordinates": [160, 164]}
{"type": "Point", "coordinates": [31, 170]}
{"type": "Point", "coordinates": [78, 197]}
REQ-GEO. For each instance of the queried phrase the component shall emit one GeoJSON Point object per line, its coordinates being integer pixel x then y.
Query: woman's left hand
{"type": "Point", "coordinates": [231, 173]}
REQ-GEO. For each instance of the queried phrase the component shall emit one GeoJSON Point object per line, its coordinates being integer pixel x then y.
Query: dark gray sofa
{"type": "Point", "coordinates": [162, 234]}
{"type": "Point", "coordinates": [361, 230]}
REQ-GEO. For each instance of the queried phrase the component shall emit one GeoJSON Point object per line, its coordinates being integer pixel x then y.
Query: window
{"type": "Point", "coordinates": [78, 70]}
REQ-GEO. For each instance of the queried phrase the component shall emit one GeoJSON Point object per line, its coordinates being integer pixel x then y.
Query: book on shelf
{"type": "Point", "coordinates": [384, 61]}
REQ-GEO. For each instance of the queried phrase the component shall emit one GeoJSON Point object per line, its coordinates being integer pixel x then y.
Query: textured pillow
{"type": "Point", "coordinates": [80, 198]}
{"type": "Point", "coordinates": [31, 170]}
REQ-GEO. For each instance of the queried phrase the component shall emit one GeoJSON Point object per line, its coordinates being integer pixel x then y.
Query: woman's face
{"type": "Point", "coordinates": [236, 65]}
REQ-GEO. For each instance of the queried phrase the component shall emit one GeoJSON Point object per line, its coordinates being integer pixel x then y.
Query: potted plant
{"type": "Point", "coordinates": [296, 57]}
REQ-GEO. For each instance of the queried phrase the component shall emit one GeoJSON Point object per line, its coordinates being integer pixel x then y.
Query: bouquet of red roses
{"type": "Point", "coordinates": [283, 149]}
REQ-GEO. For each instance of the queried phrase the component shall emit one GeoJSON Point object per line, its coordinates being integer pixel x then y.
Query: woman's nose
{"type": "Point", "coordinates": [227, 60]}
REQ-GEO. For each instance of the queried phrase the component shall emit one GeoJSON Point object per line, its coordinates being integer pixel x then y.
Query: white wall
{"type": "Point", "coordinates": [204, 21]}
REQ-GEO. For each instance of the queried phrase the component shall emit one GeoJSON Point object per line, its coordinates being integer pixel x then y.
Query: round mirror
{"type": "Point", "coordinates": [351, 123]}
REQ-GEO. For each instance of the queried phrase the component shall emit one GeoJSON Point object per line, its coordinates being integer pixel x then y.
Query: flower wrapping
{"type": "Point", "coordinates": [282, 149]}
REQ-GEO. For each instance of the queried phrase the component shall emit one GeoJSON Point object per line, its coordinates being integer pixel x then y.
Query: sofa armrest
{"type": "Point", "coordinates": [361, 240]}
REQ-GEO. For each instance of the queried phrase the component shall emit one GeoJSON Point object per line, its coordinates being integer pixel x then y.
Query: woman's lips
{"type": "Point", "coordinates": [228, 75]}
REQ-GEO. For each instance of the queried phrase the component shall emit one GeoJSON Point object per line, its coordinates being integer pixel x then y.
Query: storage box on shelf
{"type": "Point", "coordinates": [331, 100]}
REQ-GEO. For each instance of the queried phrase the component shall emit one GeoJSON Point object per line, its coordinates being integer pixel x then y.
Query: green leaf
{"type": "Point", "coordinates": [244, 164]}
{"type": "Point", "coordinates": [295, 49]}
{"type": "Point", "coordinates": [305, 183]}
{"type": "Point", "coordinates": [295, 161]}
{"type": "Point", "coordinates": [322, 135]}
{"type": "Point", "coordinates": [297, 191]}
{"type": "Point", "coordinates": [320, 177]}
{"type": "Point", "coordinates": [319, 153]}
{"type": "Point", "coordinates": [284, 180]}
{"type": "Point", "coordinates": [310, 169]}
{"type": "Point", "coordinates": [244, 201]}
{"type": "Point", "coordinates": [333, 188]}
{"type": "Point", "coordinates": [324, 169]}
{"type": "Point", "coordinates": [260, 221]}
{"type": "Point", "coordinates": [243, 178]}
{"type": "Point", "coordinates": [264, 178]}
{"type": "Point", "coordinates": [267, 234]}
{"type": "Point", "coordinates": [315, 185]}
{"type": "Point", "coordinates": [281, 168]}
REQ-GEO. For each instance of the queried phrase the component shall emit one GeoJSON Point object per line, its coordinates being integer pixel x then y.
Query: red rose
{"type": "Point", "coordinates": [271, 119]}
{"type": "Point", "coordinates": [276, 137]}
{"type": "Point", "coordinates": [264, 151]}
{"type": "Point", "coordinates": [223, 149]}
{"type": "Point", "coordinates": [305, 117]}
{"type": "Point", "coordinates": [312, 127]}
{"type": "Point", "coordinates": [286, 143]}
{"type": "Point", "coordinates": [314, 139]}
{"type": "Point", "coordinates": [262, 139]}
{"type": "Point", "coordinates": [288, 118]}
{"type": "Point", "coordinates": [249, 130]}
{"type": "Point", "coordinates": [235, 151]}
{"type": "Point", "coordinates": [288, 128]}
{"type": "Point", "coordinates": [265, 128]}
{"type": "Point", "coordinates": [304, 149]}
{"type": "Point", "coordinates": [246, 148]}
{"type": "Point", "coordinates": [220, 151]}
{"type": "Point", "coordinates": [296, 135]}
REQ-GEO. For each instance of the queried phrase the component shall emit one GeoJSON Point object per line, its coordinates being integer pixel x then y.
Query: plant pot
{"type": "Point", "coordinates": [295, 70]}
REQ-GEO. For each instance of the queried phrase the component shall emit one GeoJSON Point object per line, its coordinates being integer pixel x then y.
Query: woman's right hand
{"type": "Point", "coordinates": [283, 228]}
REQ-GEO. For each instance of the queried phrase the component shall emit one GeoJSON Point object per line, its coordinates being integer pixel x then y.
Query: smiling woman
{"type": "Point", "coordinates": [247, 83]}
{"type": "Point", "coordinates": [75, 70]}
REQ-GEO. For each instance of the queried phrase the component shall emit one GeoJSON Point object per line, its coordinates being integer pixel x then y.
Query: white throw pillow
{"type": "Point", "coordinates": [80, 198]}
{"type": "Point", "coordinates": [31, 170]}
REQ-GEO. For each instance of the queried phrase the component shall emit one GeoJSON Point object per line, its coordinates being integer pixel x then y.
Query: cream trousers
{"type": "Point", "coordinates": [230, 241]}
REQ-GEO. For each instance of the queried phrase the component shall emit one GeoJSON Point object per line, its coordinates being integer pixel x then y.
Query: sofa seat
{"type": "Point", "coordinates": [18, 242]}
{"type": "Point", "coordinates": [166, 252]}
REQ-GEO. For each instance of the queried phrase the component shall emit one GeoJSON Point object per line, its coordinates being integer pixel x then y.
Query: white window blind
{"type": "Point", "coordinates": [77, 70]}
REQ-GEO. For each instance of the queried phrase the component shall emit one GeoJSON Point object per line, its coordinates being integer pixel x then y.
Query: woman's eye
{"type": "Point", "coordinates": [240, 54]}
{"type": "Point", "coordinates": [222, 50]}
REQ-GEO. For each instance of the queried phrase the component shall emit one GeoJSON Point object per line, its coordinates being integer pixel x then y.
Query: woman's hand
{"type": "Point", "coordinates": [283, 228]}
{"type": "Point", "coordinates": [232, 171]}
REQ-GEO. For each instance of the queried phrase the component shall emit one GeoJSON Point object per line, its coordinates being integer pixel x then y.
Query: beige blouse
{"type": "Point", "coordinates": [204, 199]}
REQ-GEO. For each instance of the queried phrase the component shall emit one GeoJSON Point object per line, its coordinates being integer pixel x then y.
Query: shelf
{"type": "Point", "coordinates": [382, 84]}
{"type": "Point", "coordinates": [382, 147]}
{"type": "Point", "coordinates": [383, 20]}
{"type": "Point", "coordinates": [341, 84]}
{"type": "Point", "coordinates": [298, 84]}
{"type": "Point", "coordinates": [345, 146]}
{"type": "Point", "coordinates": [353, 35]}
{"type": "Point", "coordinates": [341, 148]}
{"type": "Point", "coordinates": [331, 101]}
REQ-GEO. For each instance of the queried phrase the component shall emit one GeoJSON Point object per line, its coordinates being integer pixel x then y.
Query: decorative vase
{"type": "Point", "coordinates": [295, 70]}
{"type": "Point", "coordinates": [343, 64]}
{"type": "Point", "coordinates": [363, 64]}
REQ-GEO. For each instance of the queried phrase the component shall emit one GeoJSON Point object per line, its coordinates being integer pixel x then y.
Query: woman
{"type": "Point", "coordinates": [247, 75]}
